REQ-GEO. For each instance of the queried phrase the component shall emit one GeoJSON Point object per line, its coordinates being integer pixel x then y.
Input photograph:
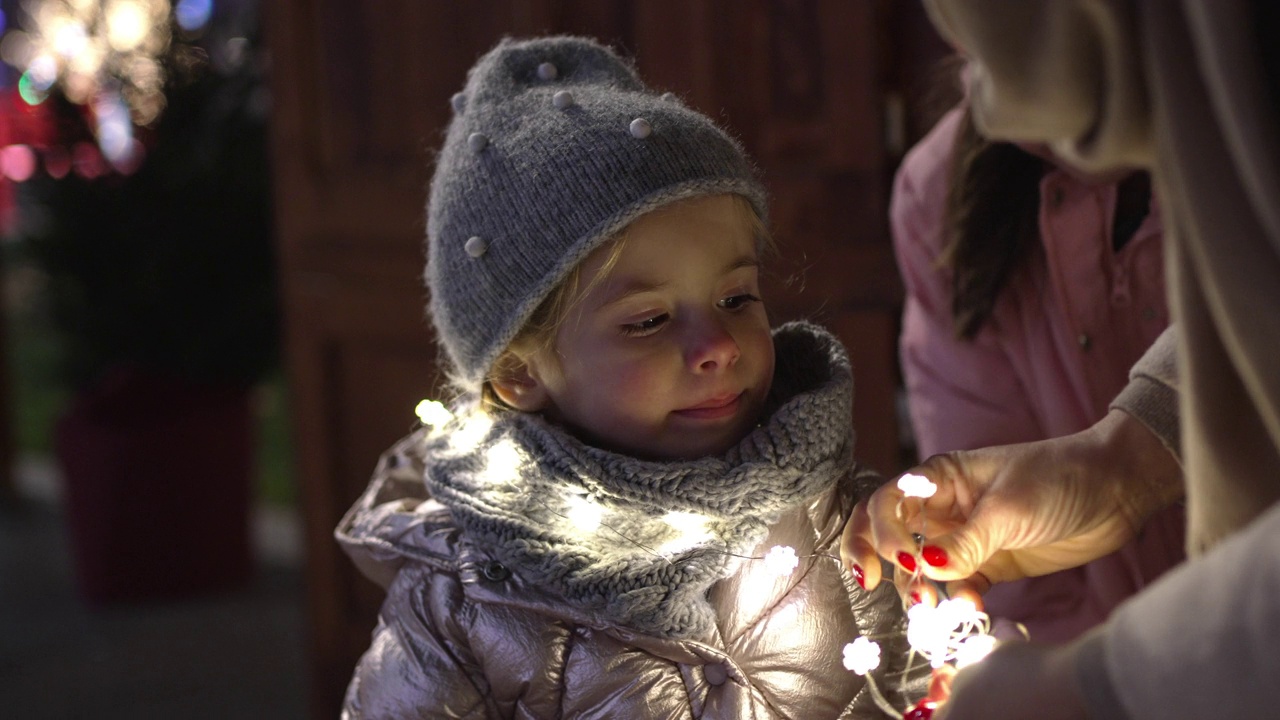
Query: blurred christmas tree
{"type": "Point", "coordinates": [156, 242]}
{"type": "Point", "coordinates": [143, 197]}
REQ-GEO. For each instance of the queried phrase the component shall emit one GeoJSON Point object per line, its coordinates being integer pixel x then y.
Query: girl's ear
{"type": "Point", "coordinates": [519, 388]}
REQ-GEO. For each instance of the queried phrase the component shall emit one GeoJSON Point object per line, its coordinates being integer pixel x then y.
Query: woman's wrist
{"type": "Point", "coordinates": [1144, 475]}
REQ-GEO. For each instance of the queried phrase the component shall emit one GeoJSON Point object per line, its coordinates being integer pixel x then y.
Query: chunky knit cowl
{"type": "Point", "coordinates": [642, 541]}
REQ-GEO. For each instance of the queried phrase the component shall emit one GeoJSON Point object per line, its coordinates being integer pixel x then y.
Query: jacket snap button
{"type": "Point", "coordinates": [715, 674]}
{"type": "Point", "coordinates": [495, 572]}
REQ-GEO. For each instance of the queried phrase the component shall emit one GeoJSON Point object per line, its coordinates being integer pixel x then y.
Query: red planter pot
{"type": "Point", "coordinates": [158, 475]}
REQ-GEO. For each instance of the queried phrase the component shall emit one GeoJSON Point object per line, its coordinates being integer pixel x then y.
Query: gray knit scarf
{"type": "Point", "coordinates": [640, 541]}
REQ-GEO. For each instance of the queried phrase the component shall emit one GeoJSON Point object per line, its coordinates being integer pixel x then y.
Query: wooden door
{"type": "Point", "coordinates": [361, 95]}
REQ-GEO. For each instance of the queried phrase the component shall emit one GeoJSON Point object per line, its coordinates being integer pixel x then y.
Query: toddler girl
{"type": "Point", "coordinates": [594, 527]}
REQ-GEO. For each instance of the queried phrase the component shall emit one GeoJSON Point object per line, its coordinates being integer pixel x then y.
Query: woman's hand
{"type": "Point", "coordinates": [1015, 511]}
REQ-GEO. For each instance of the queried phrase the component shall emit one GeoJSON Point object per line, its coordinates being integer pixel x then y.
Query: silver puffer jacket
{"type": "Point", "coordinates": [460, 636]}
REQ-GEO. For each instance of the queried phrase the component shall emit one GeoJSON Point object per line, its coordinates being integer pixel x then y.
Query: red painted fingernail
{"type": "Point", "coordinates": [856, 569]}
{"type": "Point", "coordinates": [915, 597]}
{"type": "Point", "coordinates": [908, 562]}
{"type": "Point", "coordinates": [934, 555]}
{"type": "Point", "coordinates": [921, 711]}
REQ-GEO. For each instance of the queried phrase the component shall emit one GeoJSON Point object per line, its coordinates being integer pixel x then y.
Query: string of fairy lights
{"type": "Point", "coordinates": [952, 632]}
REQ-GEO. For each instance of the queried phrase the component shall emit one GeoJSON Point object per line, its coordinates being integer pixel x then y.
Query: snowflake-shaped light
{"type": "Point", "coordinates": [585, 514]}
{"type": "Point", "coordinates": [781, 560]}
{"type": "Point", "coordinates": [916, 486]}
{"type": "Point", "coordinates": [862, 656]}
{"type": "Point", "coordinates": [974, 648]}
{"type": "Point", "coordinates": [938, 632]}
{"type": "Point", "coordinates": [432, 413]}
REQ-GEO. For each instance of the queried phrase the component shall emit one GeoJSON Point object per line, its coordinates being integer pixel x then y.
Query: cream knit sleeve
{"type": "Point", "coordinates": [1152, 393]}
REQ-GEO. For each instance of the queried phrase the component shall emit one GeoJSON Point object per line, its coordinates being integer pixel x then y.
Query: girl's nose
{"type": "Point", "coordinates": [712, 348]}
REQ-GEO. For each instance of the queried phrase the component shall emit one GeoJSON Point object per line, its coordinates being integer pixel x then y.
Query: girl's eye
{"type": "Point", "coordinates": [737, 302]}
{"type": "Point", "coordinates": [646, 326]}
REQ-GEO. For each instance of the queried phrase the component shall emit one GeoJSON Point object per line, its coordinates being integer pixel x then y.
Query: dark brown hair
{"type": "Point", "coordinates": [991, 220]}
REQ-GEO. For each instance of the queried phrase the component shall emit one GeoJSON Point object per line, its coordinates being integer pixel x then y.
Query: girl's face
{"type": "Point", "coordinates": [669, 355]}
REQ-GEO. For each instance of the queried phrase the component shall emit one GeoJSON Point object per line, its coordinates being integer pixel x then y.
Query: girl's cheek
{"type": "Point", "coordinates": [636, 383]}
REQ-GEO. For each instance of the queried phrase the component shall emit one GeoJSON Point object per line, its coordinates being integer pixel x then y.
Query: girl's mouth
{"type": "Point", "coordinates": [715, 408]}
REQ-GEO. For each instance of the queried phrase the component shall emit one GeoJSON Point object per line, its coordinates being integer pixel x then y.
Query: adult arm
{"type": "Point", "coordinates": [1206, 629]}
{"type": "Point", "coordinates": [1152, 393]}
{"type": "Point", "coordinates": [1016, 511]}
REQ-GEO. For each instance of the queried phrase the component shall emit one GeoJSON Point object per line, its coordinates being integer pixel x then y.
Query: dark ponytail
{"type": "Point", "coordinates": [991, 219]}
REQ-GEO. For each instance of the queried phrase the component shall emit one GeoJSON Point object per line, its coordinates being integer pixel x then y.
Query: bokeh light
{"type": "Point", "coordinates": [86, 161]}
{"type": "Point", "coordinates": [105, 54]}
{"type": "Point", "coordinates": [88, 47]}
{"type": "Point", "coordinates": [57, 162]}
{"type": "Point", "coordinates": [114, 128]}
{"type": "Point", "coordinates": [30, 91]}
{"type": "Point", "coordinates": [127, 25]}
{"type": "Point", "coordinates": [17, 162]}
{"type": "Point", "coordinates": [192, 15]}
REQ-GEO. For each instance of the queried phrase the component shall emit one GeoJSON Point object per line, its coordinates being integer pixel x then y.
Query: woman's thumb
{"type": "Point", "coordinates": [959, 554]}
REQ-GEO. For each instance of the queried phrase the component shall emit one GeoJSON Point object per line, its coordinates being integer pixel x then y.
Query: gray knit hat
{"type": "Point", "coordinates": [555, 146]}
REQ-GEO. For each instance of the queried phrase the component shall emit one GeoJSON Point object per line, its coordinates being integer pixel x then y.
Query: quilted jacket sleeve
{"type": "Point", "coordinates": [419, 664]}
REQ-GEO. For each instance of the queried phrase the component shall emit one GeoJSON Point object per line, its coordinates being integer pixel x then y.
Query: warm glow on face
{"type": "Point", "coordinates": [666, 353]}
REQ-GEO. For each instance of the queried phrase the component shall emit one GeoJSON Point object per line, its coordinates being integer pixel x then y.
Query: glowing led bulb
{"type": "Point", "coordinates": [974, 648]}
{"type": "Point", "coordinates": [945, 632]}
{"type": "Point", "coordinates": [584, 514]}
{"type": "Point", "coordinates": [928, 633]}
{"type": "Point", "coordinates": [128, 24]}
{"type": "Point", "coordinates": [781, 560]}
{"type": "Point", "coordinates": [502, 463]}
{"type": "Point", "coordinates": [689, 529]}
{"type": "Point", "coordinates": [954, 612]}
{"type": "Point", "coordinates": [432, 413]}
{"type": "Point", "coordinates": [862, 656]}
{"type": "Point", "coordinates": [916, 486]}
{"type": "Point", "coordinates": [686, 522]}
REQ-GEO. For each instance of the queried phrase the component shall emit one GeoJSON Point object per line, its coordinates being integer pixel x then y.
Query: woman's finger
{"type": "Point", "coordinates": [856, 550]}
{"type": "Point", "coordinates": [891, 516]}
